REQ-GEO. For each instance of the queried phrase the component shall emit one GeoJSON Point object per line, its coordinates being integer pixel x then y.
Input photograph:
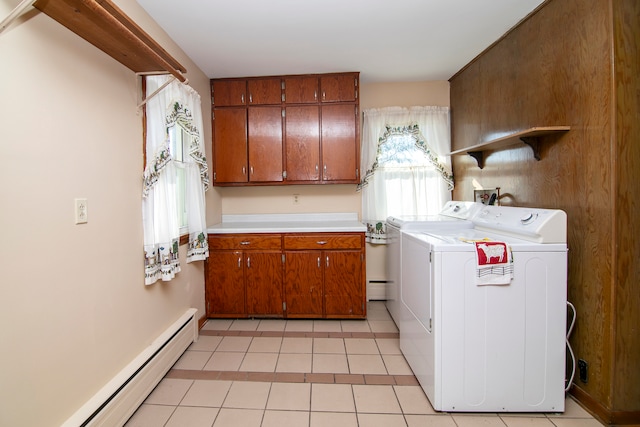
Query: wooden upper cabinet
{"type": "Point", "coordinates": [297, 129]}
{"type": "Point", "coordinates": [339, 152]}
{"type": "Point", "coordinates": [339, 87]}
{"type": "Point", "coordinates": [302, 143]}
{"type": "Point", "coordinates": [230, 145]}
{"type": "Point", "coordinates": [267, 91]}
{"type": "Point", "coordinates": [265, 144]}
{"type": "Point", "coordinates": [229, 93]}
{"type": "Point", "coordinates": [301, 90]}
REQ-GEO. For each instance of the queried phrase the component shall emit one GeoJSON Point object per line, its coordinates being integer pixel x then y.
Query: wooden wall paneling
{"type": "Point", "coordinates": [555, 69]}
{"type": "Point", "coordinates": [626, 33]}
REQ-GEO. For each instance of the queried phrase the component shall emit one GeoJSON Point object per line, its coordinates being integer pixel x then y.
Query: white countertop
{"type": "Point", "coordinates": [288, 223]}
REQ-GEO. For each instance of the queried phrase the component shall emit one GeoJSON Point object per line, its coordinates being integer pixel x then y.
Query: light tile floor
{"type": "Point", "coordinates": [309, 373]}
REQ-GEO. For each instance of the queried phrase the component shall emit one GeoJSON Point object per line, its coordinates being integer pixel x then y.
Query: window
{"type": "Point", "coordinates": [175, 178]}
{"type": "Point", "coordinates": [179, 142]}
{"type": "Point", "coordinates": [405, 172]}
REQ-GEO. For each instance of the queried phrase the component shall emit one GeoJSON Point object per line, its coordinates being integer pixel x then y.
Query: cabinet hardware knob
{"type": "Point", "coordinates": [239, 262]}
{"type": "Point", "coordinates": [242, 98]}
{"type": "Point", "coordinates": [245, 242]}
{"type": "Point", "coordinates": [321, 242]}
{"type": "Point", "coordinates": [248, 262]}
{"type": "Point", "coordinates": [250, 99]}
{"type": "Point", "coordinates": [318, 262]}
{"type": "Point", "coordinates": [327, 260]}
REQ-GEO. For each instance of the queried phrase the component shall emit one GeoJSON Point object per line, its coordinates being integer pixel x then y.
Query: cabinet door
{"type": "Point", "coordinates": [343, 285]}
{"type": "Point", "coordinates": [338, 87]}
{"type": "Point", "coordinates": [228, 93]}
{"type": "Point", "coordinates": [339, 143]}
{"type": "Point", "coordinates": [302, 143]}
{"type": "Point", "coordinates": [230, 144]}
{"type": "Point", "coordinates": [225, 288]}
{"type": "Point", "coordinates": [265, 91]}
{"type": "Point", "coordinates": [263, 272]}
{"type": "Point", "coordinates": [265, 144]}
{"type": "Point", "coordinates": [300, 90]}
{"type": "Point", "coordinates": [303, 283]}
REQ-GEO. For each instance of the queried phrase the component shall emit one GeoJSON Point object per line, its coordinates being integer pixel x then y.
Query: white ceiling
{"type": "Point", "coordinates": [385, 40]}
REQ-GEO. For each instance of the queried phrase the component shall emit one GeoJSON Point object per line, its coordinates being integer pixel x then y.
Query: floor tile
{"type": "Point", "coordinates": [228, 417]}
{"type": "Point", "coordinates": [296, 345]}
{"type": "Point", "coordinates": [234, 344]}
{"type": "Point", "coordinates": [207, 393]}
{"type": "Point", "coordinates": [328, 345]}
{"type": "Point", "coordinates": [469, 420]}
{"type": "Point", "coordinates": [381, 420]}
{"type": "Point", "coordinates": [169, 391]}
{"type": "Point", "coordinates": [294, 363]}
{"type": "Point", "coordinates": [413, 400]}
{"type": "Point", "coordinates": [572, 409]}
{"type": "Point", "coordinates": [396, 364]}
{"type": "Point", "coordinates": [525, 421]}
{"type": "Point", "coordinates": [149, 415]}
{"type": "Point", "coordinates": [366, 364]}
{"type": "Point", "coordinates": [259, 362]}
{"type": "Point", "coordinates": [332, 398]}
{"type": "Point", "coordinates": [285, 419]}
{"type": "Point", "coordinates": [265, 345]}
{"type": "Point", "coordinates": [299, 326]}
{"type": "Point", "coordinates": [290, 396]}
{"type": "Point", "coordinates": [193, 360]}
{"type": "Point", "coordinates": [355, 326]}
{"type": "Point", "coordinates": [327, 325]}
{"type": "Point", "coordinates": [376, 399]}
{"type": "Point", "coordinates": [575, 422]}
{"type": "Point", "coordinates": [429, 421]}
{"type": "Point", "coordinates": [206, 343]}
{"type": "Point", "coordinates": [244, 325]}
{"type": "Point", "coordinates": [382, 326]}
{"type": "Point", "coordinates": [247, 395]}
{"type": "Point", "coordinates": [217, 324]}
{"type": "Point", "coordinates": [185, 416]}
{"type": "Point", "coordinates": [333, 419]}
{"type": "Point", "coordinates": [330, 363]}
{"type": "Point", "coordinates": [389, 345]}
{"type": "Point", "coordinates": [224, 361]}
{"type": "Point", "coordinates": [361, 346]}
{"type": "Point", "coordinates": [272, 325]}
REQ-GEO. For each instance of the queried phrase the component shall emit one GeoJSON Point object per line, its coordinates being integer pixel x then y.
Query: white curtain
{"type": "Point", "coordinates": [395, 190]}
{"type": "Point", "coordinates": [175, 105]}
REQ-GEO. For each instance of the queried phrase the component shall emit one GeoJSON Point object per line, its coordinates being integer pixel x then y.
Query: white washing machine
{"type": "Point", "coordinates": [488, 348]}
{"type": "Point", "coordinates": [454, 215]}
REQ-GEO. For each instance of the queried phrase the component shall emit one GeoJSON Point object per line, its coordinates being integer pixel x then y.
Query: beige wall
{"type": "Point", "coordinates": [74, 309]}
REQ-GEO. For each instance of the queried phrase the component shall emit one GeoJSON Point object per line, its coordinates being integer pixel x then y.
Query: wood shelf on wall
{"type": "Point", "coordinates": [104, 25]}
{"type": "Point", "coordinates": [530, 137]}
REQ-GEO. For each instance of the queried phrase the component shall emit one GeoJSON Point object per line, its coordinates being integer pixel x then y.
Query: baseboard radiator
{"type": "Point", "coordinates": [114, 404]}
{"type": "Point", "coordinates": [376, 290]}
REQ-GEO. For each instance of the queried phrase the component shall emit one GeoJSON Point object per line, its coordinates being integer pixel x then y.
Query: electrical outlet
{"type": "Point", "coordinates": [81, 210]}
{"type": "Point", "coordinates": [296, 199]}
{"type": "Point", "coordinates": [583, 370]}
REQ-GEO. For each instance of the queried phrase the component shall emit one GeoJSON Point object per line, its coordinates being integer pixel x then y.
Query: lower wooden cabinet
{"type": "Point", "coordinates": [244, 276]}
{"type": "Point", "coordinates": [292, 275]}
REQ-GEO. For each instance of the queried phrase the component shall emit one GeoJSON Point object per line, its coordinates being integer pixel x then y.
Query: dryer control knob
{"type": "Point", "coordinates": [529, 217]}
